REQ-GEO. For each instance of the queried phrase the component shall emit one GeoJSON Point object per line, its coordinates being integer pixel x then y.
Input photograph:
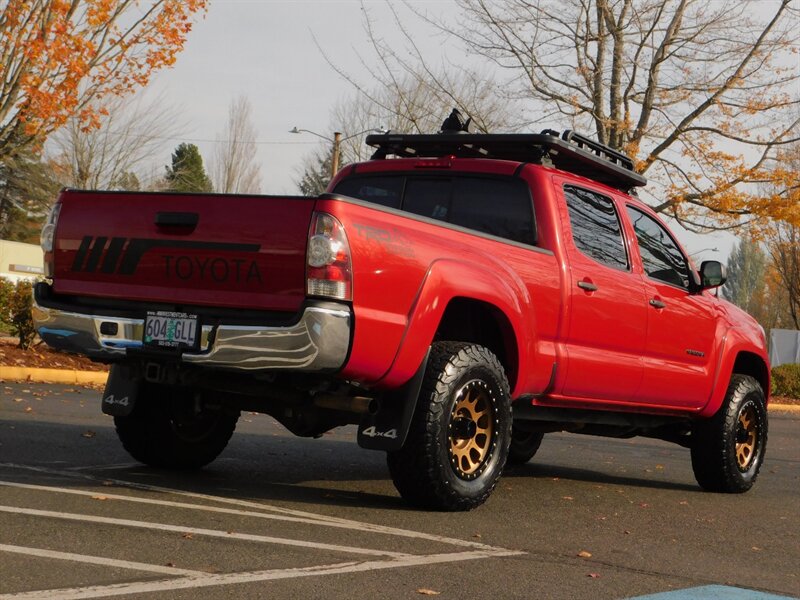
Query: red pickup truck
{"type": "Point", "coordinates": [457, 296]}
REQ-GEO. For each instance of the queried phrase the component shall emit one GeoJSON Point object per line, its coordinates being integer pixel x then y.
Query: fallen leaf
{"type": "Point", "coordinates": [585, 554]}
{"type": "Point", "coordinates": [99, 498]}
{"type": "Point", "coordinates": [567, 498]}
{"type": "Point", "coordinates": [627, 532]}
{"type": "Point", "coordinates": [644, 505]}
{"type": "Point", "coordinates": [187, 536]}
{"type": "Point", "coordinates": [18, 400]}
{"type": "Point", "coordinates": [477, 535]}
{"type": "Point", "coordinates": [593, 575]}
{"type": "Point", "coordinates": [28, 409]}
{"type": "Point", "coordinates": [684, 503]}
{"type": "Point", "coordinates": [427, 592]}
{"type": "Point", "coordinates": [88, 434]}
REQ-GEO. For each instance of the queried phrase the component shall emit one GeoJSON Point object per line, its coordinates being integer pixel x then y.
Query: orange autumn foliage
{"type": "Point", "coordinates": [59, 58]}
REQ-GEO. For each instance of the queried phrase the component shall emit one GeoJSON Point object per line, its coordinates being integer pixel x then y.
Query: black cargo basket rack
{"type": "Point", "coordinates": [570, 152]}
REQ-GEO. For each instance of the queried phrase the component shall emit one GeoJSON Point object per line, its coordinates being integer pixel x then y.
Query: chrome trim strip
{"type": "Point", "coordinates": [301, 347]}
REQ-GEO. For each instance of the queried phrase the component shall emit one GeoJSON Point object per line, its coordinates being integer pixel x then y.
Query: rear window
{"type": "Point", "coordinates": [386, 191]}
{"type": "Point", "coordinates": [498, 206]}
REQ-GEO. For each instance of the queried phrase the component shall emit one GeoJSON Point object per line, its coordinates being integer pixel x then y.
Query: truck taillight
{"type": "Point", "coordinates": [47, 238]}
{"type": "Point", "coordinates": [328, 267]}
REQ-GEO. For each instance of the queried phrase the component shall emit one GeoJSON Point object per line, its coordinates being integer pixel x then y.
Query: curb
{"type": "Point", "coordinates": [788, 408]}
{"type": "Point", "coordinates": [99, 377]}
{"type": "Point", "coordinates": [52, 375]}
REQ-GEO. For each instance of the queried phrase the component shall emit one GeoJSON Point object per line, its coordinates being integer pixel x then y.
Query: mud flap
{"type": "Point", "coordinates": [121, 390]}
{"type": "Point", "coordinates": [388, 428]}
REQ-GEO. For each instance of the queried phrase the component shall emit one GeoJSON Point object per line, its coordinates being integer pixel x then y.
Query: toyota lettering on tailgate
{"type": "Point", "coordinates": [121, 256]}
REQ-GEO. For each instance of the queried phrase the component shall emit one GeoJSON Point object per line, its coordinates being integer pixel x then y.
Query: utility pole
{"type": "Point", "coordinates": [337, 140]}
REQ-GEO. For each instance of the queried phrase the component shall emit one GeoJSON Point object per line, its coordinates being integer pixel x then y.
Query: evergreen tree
{"type": "Point", "coordinates": [747, 267]}
{"type": "Point", "coordinates": [27, 189]}
{"type": "Point", "coordinates": [128, 181]}
{"type": "Point", "coordinates": [187, 173]}
{"type": "Point", "coordinates": [316, 174]}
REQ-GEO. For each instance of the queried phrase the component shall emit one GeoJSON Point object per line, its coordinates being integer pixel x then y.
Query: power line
{"type": "Point", "coordinates": [210, 141]}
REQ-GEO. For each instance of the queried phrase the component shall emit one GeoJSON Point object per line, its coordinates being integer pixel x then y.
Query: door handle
{"type": "Point", "coordinates": [587, 285]}
{"type": "Point", "coordinates": [657, 303]}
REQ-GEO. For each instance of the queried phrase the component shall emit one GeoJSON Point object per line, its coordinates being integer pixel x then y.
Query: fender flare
{"type": "Point", "coordinates": [735, 342]}
{"type": "Point", "coordinates": [444, 281]}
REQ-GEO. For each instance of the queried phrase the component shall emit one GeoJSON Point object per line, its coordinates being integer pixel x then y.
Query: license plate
{"type": "Point", "coordinates": [170, 329]}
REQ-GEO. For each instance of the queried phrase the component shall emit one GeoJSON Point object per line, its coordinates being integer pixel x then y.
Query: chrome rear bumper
{"type": "Point", "coordinates": [319, 341]}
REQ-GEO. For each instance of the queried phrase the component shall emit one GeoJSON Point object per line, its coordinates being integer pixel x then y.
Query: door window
{"type": "Point", "coordinates": [661, 257]}
{"type": "Point", "coordinates": [596, 229]}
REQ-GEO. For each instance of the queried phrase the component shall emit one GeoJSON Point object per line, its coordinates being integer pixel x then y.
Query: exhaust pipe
{"type": "Point", "coordinates": [355, 404]}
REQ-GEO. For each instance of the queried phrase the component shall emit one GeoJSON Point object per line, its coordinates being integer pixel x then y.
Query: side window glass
{"type": "Point", "coordinates": [428, 197]}
{"type": "Point", "coordinates": [494, 206]}
{"type": "Point", "coordinates": [661, 257]}
{"type": "Point", "coordinates": [595, 227]}
{"type": "Point", "coordinates": [386, 191]}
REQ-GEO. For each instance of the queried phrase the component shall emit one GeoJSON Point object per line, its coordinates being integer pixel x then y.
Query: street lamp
{"type": "Point", "coordinates": [336, 141]}
{"type": "Point", "coordinates": [703, 250]}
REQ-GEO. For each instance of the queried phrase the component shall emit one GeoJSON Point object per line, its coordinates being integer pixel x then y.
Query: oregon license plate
{"type": "Point", "coordinates": [170, 329]}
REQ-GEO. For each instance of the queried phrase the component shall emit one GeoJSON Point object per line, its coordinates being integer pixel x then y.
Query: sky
{"type": "Point", "coordinates": [265, 50]}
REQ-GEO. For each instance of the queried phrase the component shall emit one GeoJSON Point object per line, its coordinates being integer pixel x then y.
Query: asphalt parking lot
{"type": "Point", "coordinates": [277, 516]}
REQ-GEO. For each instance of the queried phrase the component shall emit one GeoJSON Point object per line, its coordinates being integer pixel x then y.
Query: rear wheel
{"type": "Point", "coordinates": [171, 428]}
{"type": "Point", "coordinates": [524, 445]}
{"type": "Point", "coordinates": [458, 441]}
{"type": "Point", "coordinates": [728, 449]}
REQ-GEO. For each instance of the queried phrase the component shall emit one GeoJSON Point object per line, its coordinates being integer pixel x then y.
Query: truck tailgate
{"type": "Point", "coordinates": [185, 249]}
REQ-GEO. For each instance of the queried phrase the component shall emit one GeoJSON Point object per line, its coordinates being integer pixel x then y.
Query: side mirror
{"type": "Point", "coordinates": [712, 274]}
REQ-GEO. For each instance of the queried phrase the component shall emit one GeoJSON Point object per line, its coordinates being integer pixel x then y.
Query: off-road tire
{"type": "Point", "coordinates": [449, 460]}
{"type": "Point", "coordinates": [168, 429]}
{"type": "Point", "coordinates": [728, 449]}
{"type": "Point", "coordinates": [524, 445]}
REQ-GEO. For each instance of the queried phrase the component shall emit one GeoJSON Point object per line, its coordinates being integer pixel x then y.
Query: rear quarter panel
{"type": "Point", "coordinates": [406, 269]}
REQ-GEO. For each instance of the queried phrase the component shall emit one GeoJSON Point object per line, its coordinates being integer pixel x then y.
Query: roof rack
{"type": "Point", "coordinates": [570, 152]}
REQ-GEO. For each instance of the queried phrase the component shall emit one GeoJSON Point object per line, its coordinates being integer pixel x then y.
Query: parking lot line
{"type": "Point", "coordinates": [170, 503]}
{"type": "Point", "coordinates": [202, 581]}
{"type": "Point", "coordinates": [97, 560]}
{"type": "Point", "coordinates": [314, 518]}
{"type": "Point", "coordinates": [198, 531]}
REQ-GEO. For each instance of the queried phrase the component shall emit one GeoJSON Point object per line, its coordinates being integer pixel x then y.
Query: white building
{"type": "Point", "coordinates": [20, 261]}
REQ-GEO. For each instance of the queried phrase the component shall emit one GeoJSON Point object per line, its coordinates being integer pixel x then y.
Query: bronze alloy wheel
{"type": "Point", "coordinates": [471, 429]}
{"type": "Point", "coordinates": [746, 436]}
{"type": "Point", "coordinates": [460, 432]}
{"type": "Point", "coordinates": [728, 448]}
